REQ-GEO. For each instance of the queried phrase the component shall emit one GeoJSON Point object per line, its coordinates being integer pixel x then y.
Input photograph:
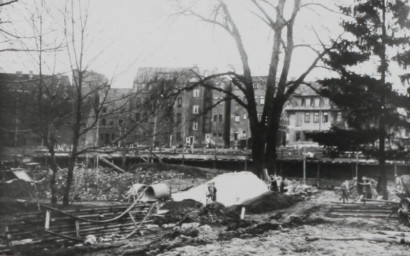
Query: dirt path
{"type": "Point", "coordinates": [292, 242]}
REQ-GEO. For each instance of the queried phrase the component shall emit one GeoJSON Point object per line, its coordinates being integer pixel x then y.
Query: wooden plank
{"type": "Point", "coordinates": [77, 228]}
{"type": "Point", "coordinates": [47, 223]}
{"type": "Point", "coordinates": [111, 165]}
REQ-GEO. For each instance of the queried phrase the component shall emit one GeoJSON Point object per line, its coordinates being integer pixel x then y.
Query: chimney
{"type": "Point", "coordinates": [30, 75]}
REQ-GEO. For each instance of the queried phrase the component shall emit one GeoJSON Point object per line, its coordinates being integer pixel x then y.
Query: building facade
{"type": "Point", "coordinates": [306, 111]}
{"type": "Point", "coordinates": [23, 116]}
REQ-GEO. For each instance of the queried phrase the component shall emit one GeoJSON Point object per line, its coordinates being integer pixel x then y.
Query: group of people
{"type": "Point", "coordinates": [368, 190]}
{"type": "Point", "coordinates": [277, 184]}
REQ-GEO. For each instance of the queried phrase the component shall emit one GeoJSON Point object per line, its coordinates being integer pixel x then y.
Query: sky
{"type": "Point", "coordinates": [124, 35]}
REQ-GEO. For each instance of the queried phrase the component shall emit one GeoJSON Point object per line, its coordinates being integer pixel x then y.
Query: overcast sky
{"type": "Point", "coordinates": [124, 35]}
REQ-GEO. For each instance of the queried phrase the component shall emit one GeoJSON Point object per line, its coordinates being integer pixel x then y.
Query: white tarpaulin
{"type": "Point", "coordinates": [231, 188]}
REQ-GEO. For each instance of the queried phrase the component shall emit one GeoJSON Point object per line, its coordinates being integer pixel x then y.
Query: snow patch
{"type": "Point", "coordinates": [232, 188]}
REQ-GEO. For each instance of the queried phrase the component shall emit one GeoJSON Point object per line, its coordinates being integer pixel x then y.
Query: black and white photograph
{"type": "Point", "coordinates": [204, 127]}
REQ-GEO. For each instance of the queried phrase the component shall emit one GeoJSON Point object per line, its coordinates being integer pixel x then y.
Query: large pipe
{"type": "Point", "coordinates": [157, 191]}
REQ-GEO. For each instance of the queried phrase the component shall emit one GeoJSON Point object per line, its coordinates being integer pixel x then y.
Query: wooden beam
{"type": "Point", "coordinates": [111, 165]}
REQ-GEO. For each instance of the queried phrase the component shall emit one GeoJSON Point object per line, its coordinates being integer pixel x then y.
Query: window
{"type": "Point", "coordinates": [321, 102]}
{"type": "Point", "coordinates": [237, 118]}
{"type": "Point", "coordinates": [215, 118]}
{"type": "Point", "coordinates": [235, 135]}
{"type": "Point", "coordinates": [245, 116]}
{"type": "Point", "coordinates": [220, 135]}
{"type": "Point", "coordinates": [195, 126]}
{"type": "Point", "coordinates": [308, 102]}
{"type": "Point", "coordinates": [120, 122]}
{"type": "Point", "coordinates": [195, 109]}
{"type": "Point", "coordinates": [103, 122]}
{"type": "Point", "coordinates": [312, 102]}
{"type": "Point", "coordinates": [137, 117]}
{"type": "Point", "coordinates": [307, 117]}
{"type": "Point", "coordinates": [179, 136]}
{"type": "Point", "coordinates": [112, 136]}
{"type": "Point", "coordinates": [339, 117]}
{"type": "Point", "coordinates": [179, 118]}
{"type": "Point", "coordinates": [259, 116]}
{"type": "Point", "coordinates": [303, 102]}
{"type": "Point", "coordinates": [298, 136]}
{"type": "Point", "coordinates": [104, 109]}
{"type": "Point", "coordinates": [220, 117]}
{"type": "Point", "coordinates": [262, 100]}
{"type": "Point", "coordinates": [111, 123]}
{"type": "Point", "coordinates": [255, 86]}
{"type": "Point", "coordinates": [179, 102]}
{"type": "Point", "coordinates": [316, 118]}
{"type": "Point", "coordinates": [196, 93]}
{"type": "Point", "coordinates": [325, 117]}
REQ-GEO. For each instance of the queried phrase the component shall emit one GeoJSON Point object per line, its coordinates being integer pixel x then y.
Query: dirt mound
{"type": "Point", "coordinates": [217, 213]}
{"type": "Point", "coordinates": [267, 202]}
{"type": "Point", "coordinates": [187, 203]}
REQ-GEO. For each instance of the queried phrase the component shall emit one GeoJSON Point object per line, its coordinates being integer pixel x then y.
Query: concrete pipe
{"type": "Point", "coordinates": [156, 192]}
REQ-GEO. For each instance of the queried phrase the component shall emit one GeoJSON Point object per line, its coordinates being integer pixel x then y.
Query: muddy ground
{"type": "Point", "coordinates": [303, 220]}
{"type": "Point", "coordinates": [280, 232]}
{"type": "Point", "coordinates": [276, 232]}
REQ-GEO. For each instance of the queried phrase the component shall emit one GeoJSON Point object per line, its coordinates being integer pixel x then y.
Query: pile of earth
{"type": "Point", "coordinates": [267, 202]}
{"type": "Point", "coordinates": [189, 210]}
{"type": "Point", "coordinates": [104, 184]}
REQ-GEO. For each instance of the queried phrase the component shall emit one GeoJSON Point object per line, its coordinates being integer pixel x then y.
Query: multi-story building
{"type": "Point", "coordinates": [306, 111]}
{"type": "Point", "coordinates": [20, 109]}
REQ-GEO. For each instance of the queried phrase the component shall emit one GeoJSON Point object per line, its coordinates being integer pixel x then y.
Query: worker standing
{"type": "Point", "coordinates": [274, 184]}
{"type": "Point", "coordinates": [345, 191]}
{"type": "Point", "coordinates": [211, 193]}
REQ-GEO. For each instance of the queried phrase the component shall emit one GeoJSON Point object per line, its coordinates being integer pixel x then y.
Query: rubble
{"type": "Point", "coordinates": [103, 184]}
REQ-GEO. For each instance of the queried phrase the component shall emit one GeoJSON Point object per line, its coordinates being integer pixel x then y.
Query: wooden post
{"type": "Point", "coordinates": [304, 167]}
{"type": "Point", "coordinates": [395, 168]}
{"type": "Point", "coordinates": [77, 228]}
{"type": "Point", "coordinates": [215, 159]}
{"type": "Point", "coordinates": [47, 223]}
{"type": "Point", "coordinates": [318, 174]}
{"type": "Point", "coordinates": [357, 173]}
{"type": "Point", "coordinates": [183, 155]}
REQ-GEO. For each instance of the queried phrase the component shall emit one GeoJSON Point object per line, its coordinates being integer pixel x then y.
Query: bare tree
{"type": "Point", "coordinates": [278, 85]}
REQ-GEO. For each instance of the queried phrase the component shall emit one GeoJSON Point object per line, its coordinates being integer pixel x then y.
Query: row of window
{"type": "Point", "coordinates": [111, 123]}
{"type": "Point", "coordinates": [314, 102]}
{"type": "Point", "coordinates": [316, 118]}
{"type": "Point", "coordinates": [325, 117]}
{"type": "Point", "coordinates": [105, 137]}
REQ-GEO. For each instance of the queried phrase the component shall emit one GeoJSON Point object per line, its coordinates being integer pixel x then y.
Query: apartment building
{"type": "Point", "coordinates": [306, 111]}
